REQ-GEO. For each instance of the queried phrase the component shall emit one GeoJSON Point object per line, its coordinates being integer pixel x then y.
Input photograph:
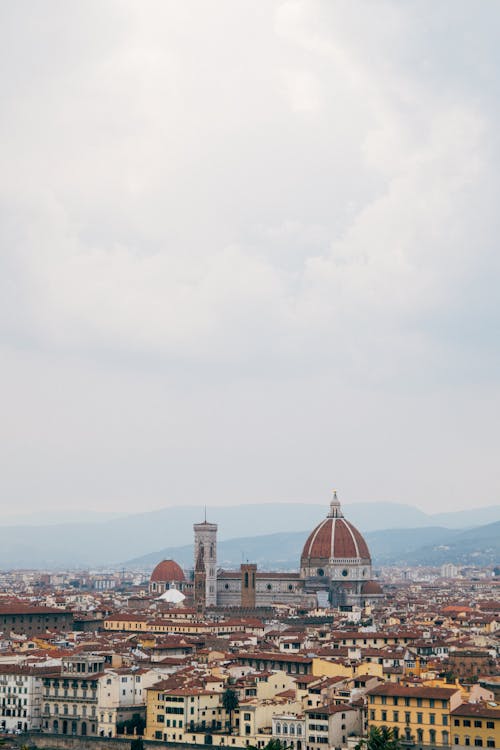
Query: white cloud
{"type": "Point", "coordinates": [270, 189]}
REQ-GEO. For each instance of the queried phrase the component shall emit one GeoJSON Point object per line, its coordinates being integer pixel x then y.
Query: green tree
{"type": "Point", "coordinates": [230, 703]}
{"type": "Point", "coordinates": [273, 745]}
{"type": "Point", "coordinates": [380, 738]}
{"type": "Point", "coordinates": [137, 744]}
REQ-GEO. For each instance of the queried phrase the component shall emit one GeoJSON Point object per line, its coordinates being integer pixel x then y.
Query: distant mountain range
{"type": "Point", "coordinates": [99, 543]}
{"type": "Point", "coordinates": [433, 545]}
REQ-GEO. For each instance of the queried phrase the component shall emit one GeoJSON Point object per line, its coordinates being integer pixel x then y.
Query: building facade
{"type": "Point", "coordinates": [476, 725]}
{"type": "Point", "coordinates": [419, 715]}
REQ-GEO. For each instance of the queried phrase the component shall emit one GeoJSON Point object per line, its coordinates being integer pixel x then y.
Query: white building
{"type": "Point", "coordinates": [20, 697]}
{"type": "Point", "coordinates": [121, 695]}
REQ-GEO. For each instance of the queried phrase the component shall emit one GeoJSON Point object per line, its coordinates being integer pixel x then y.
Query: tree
{"type": "Point", "coordinates": [380, 738]}
{"type": "Point", "coordinates": [230, 703]}
{"type": "Point", "coordinates": [137, 744]}
{"type": "Point", "coordinates": [273, 745]}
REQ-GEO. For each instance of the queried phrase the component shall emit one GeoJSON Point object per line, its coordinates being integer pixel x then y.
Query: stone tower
{"type": "Point", "coordinates": [205, 553]}
{"type": "Point", "coordinates": [248, 571]}
{"type": "Point", "coordinates": [200, 582]}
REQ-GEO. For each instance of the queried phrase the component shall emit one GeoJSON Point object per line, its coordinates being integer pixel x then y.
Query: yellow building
{"type": "Point", "coordinates": [476, 725]}
{"type": "Point", "coordinates": [417, 713]}
{"type": "Point", "coordinates": [172, 714]}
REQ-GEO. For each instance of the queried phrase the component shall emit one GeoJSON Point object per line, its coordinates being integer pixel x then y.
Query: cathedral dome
{"type": "Point", "coordinates": [372, 587]}
{"type": "Point", "coordinates": [167, 571]}
{"type": "Point", "coordinates": [335, 539]}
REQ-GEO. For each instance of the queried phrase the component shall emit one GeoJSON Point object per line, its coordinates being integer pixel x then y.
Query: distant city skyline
{"type": "Point", "coordinates": [248, 253]}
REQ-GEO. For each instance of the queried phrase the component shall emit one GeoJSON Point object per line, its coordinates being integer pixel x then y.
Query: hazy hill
{"type": "Point", "coordinates": [426, 546]}
{"type": "Point", "coordinates": [92, 544]}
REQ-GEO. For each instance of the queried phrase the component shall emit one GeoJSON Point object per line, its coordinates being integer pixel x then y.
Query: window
{"type": "Point", "coordinates": [372, 715]}
{"type": "Point", "coordinates": [432, 718]}
{"type": "Point", "coordinates": [490, 742]}
{"type": "Point", "coordinates": [444, 721]}
{"type": "Point", "coordinates": [490, 725]}
{"type": "Point", "coordinates": [466, 722]}
{"type": "Point", "coordinates": [395, 716]}
{"type": "Point", "coordinates": [478, 723]}
{"type": "Point", "coordinates": [384, 715]}
{"type": "Point", "coordinates": [420, 718]}
{"type": "Point", "coordinates": [431, 702]}
{"type": "Point", "coordinates": [478, 742]}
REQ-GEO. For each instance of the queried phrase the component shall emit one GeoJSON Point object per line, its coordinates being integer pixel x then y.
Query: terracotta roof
{"type": "Point", "coordinates": [335, 538]}
{"type": "Point", "coordinates": [486, 710]}
{"type": "Point", "coordinates": [416, 691]}
{"type": "Point", "coordinates": [167, 571]}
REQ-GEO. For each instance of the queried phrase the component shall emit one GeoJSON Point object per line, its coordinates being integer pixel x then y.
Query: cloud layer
{"type": "Point", "coordinates": [256, 246]}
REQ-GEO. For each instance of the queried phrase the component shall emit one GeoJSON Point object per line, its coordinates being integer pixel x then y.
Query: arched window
{"type": "Point", "coordinates": [292, 729]}
{"type": "Point", "coordinates": [285, 728]}
{"type": "Point", "coordinates": [299, 730]}
{"type": "Point", "coordinates": [432, 736]}
{"type": "Point", "coordinates": [65, 709]}
{"type": "Point", "coordinates": [246, 579]}
{"type": "Point", "coordinates": [445, 738]}
{"type": "Point", "coordinates": [46, 710]}
{"type": "Point", "coordinates": [278, 728]}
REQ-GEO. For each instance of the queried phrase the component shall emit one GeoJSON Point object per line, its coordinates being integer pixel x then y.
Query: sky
{"type": "Point", "coordinates": [248, 253]}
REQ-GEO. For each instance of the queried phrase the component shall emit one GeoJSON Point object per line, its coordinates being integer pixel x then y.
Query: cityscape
{"type": "Point", "coordinates": [249, 253]}
{"type": "Point", "coordinates": [326, 655]}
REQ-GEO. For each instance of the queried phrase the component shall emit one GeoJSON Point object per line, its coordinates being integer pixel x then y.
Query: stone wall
{"type": "Point", "coordinates": [65, 742]}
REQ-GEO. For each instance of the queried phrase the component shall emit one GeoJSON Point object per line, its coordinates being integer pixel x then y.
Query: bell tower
{"type": "Point", "coordinates": [205, 556]}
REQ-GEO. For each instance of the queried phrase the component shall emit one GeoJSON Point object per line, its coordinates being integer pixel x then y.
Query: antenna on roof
{"type": "Point", "coordinates": [205, 513]}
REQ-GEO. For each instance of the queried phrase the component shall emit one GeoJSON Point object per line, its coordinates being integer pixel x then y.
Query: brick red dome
{"type": "Point", "coordinates": [335, 538]}
{"type": "Point", "coordinates": [371, 587]}
{"type": "Point", "coordinates": [167, 571]}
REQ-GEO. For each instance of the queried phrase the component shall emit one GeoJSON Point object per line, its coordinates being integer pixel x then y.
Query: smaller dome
{"type": "Point", "coordinates": [167, 571]}
{"type": "Point", "coordinates": [371, 587]}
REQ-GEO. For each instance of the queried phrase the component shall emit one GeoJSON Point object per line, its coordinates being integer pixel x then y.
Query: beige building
{"type": "Point", "coordinates": [330, 726]}
{"type": "Point", "coordinates": [122, 699]}
{"type": "Point", "coordinates": [70, 698]}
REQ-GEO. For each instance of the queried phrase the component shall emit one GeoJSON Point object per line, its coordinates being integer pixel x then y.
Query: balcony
{"type": "Point", "coordinates": [68, 699]}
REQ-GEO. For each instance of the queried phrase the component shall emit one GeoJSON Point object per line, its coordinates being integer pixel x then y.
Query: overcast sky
{"type": "Point", "coordinates": [249, 251]}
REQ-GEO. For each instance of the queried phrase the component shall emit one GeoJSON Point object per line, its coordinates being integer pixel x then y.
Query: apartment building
{"type": "Point", "coordinates": [418, 714]}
